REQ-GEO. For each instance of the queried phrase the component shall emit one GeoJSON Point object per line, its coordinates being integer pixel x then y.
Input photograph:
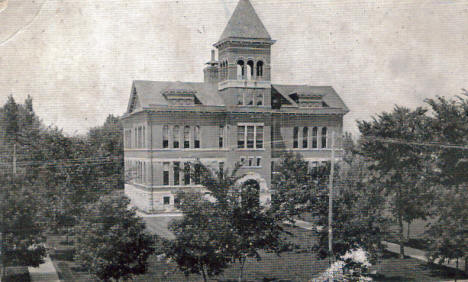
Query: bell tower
{"type": "Point", "coordinates": [244, 53]}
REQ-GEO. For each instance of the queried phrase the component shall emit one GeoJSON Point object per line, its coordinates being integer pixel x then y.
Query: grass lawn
{"type": "Point", "coordinates": [293, 266]}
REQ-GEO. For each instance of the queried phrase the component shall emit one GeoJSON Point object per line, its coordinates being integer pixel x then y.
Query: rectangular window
{"type": "Point", "coordinates": [295, 137]}
{"type": "Point", "coordinates": [176, 202]}
{"type": "Point", "coordinates": [175, 136]}
{"type": "Point", "coordinates": [314, 137]}
{"type": "Point", "coordinates": [167, 200]}
{"type": "Point", "coordinates": [187, 137]}
{"type": "Point", "coordinates": [187, 173]}
{"type": "Point", "coordinates": [197, 136]}
{"type": "Point", "coordinates": [305, 137]}
{"type": "Point", "coordinates": [165, 173]}
{"type": "Point", "coordinates": [259, 99]}
{"type": "Point", "coordinates": [221, 136]}
{"type": "Point", "coordinates": [165, 137]}
{"type": "Point", "coordinates": [251, 160]}
{"type": "Point", "coordinates": [144, 137]}
{"type": "Point", "coordinates": [176, 173]}
{"type": "Point", "coordinates": [242, 161]}
{"type": "Point", "coordinates": [250, 136]}
{"type": "Point", "coordinates": [259, 162]}
{"type": "Point", "coordinates": [249, 99]}
{"type": "Point", "coordinates": [221, 168]}
{"type": "Point", "coordinates": [324, 137]}
{"type": "Point", "coordinates": [240, 99]}
{"type": "Point", "coordinates": [240, 137]}
{"type": "Point", "coordinates": [259, 137]}
{"type": "Point", "coordinates": [197, 174]}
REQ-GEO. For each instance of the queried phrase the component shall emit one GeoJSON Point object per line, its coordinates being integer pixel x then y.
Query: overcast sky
{"type": "Point", "coordinates": [77, 58]}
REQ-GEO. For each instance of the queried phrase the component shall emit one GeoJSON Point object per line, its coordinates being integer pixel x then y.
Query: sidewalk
{"type": "Point", "coordinates": [421, 255]}
{"type": "Point", "coordinates": [45, 272]}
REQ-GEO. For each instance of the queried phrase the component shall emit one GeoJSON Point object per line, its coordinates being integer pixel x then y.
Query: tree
{"type": "Point", "coordinates": [198, 247]}
{"type": "Point", "coordinates": [231, 223]}
{"type": "Point", "coordinates": [399, 163]}
{"type": "Point", "coordinates": [111, 241]}
{"type": "Point", "coordinates": [448, 233]}
{"type": "Point", "coordinates": [296, 188]}
{"type": "Point", "coordinates": [21, 227]}
{"type": "Point", "coordinates": [358, 218]}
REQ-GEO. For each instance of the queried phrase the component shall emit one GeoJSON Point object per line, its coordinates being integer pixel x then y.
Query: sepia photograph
{"type": "Point", "coordinates": [233, 140]}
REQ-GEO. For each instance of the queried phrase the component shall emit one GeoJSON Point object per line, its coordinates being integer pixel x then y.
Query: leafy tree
{"type": "Point", "coordinates": [448, 234]}
{"type": "Point", "coordinates": [240, 227]}
{"type": "Point", "coordinates": [198, 247]}
{"type": "Point", "coordinates": [111, 241]}
{"type": "Point", "coordinates": [296, 188]}
{"type": "Point", "coordinates": [358, 217]}
{"type": "Point", "coordinates": [21, 227]}
{"type": "Point", "coordinates": [399, 163]}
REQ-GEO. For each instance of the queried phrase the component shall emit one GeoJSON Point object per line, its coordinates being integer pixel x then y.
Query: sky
{"type": "Point", "coordinates": [78, 58]}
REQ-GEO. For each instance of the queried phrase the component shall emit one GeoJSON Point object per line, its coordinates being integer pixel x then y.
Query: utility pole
{"type": "Point", "coordinates": [330, 199]}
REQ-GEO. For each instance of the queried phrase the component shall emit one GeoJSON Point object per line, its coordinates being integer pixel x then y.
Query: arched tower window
{"type": "Point", "coordinates": [259, 69]}
{"type": "Point", "coordinates": [240, 70]}
{"type": "Point", "coordinates": [250, 70]}
{"type": "Point", "coordinates": [314, 137]}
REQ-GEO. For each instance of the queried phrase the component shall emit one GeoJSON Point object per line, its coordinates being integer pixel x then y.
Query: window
{"type": "Point", "coordinates": [165, 173]}
{"type": "Point", "coordinates": [324, 137]}
{"type": "Point", "coordinates": [165, 137]}
{"type": "Point", "coordinates": [187, 137]}
{"type": "Point", "coordinates": [259, 162]}
{"type": "Point", "coordinates": [249, 99]}
{"type": "Point", "coordinates": [187, 173]}
{"type": "Point", "coordinates": [221, 136]}
{"type": "Point", "coordinates": [250, 70]}
{"type": "Point", "coordinates": [240, 70]}
{"type": "Point", "coordinates": [242, 161]}
{"type": "Point", "coordinates": [259, 69]}
{"type": "Point", "coordinates": [175, 136]}
{"type": "Point", "coordinates": [295, 137]}
{"type": "Point", "coordinates": [240, 136]}
{"type": "Point", "coordinates": [136, 138]}
{"type": "Point", "coordinates": [176, 202]}
{"type": "Point", "coordinates": [144, 137]}
{"type": "Point", "coordinates": [166, 200]}
{"type": "Point", "coordinates": [259, 99]}
{"type": "Point", "coordinates": [197, 136]}
{"type": "Point", "coordinates": [250, 136]}
{"type": "Point", "coordinates": [197, 174]}
{"type": "Point", "coordinates": [259, 137]}
{"type": "Point", "coordinates": [221, 168]}
{"type": "Point", "coordinates": [176, 173]}
{"type": "Point", "coordinates": [240, 99]}
{"type": "Point", "coordinates": [314, 137]}
{"type": "Point", "coordinates": [251, 160]}
{"type": "Point", "coordinates": [305, 136]}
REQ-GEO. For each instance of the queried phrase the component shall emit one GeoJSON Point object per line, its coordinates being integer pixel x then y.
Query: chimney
{"type": "Point", "coordinates": [211, 71]}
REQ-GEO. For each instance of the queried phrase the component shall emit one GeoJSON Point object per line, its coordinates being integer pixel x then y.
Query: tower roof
{"type": "Point", "coordinates": [245, 23]}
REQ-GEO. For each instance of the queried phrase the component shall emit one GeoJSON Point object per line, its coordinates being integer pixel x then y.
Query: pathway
{"type": "Point", "coordinates": [45, 272]}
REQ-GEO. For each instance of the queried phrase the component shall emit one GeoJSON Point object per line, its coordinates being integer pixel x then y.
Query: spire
{"type": "Point", "coordinates": [245, 23]}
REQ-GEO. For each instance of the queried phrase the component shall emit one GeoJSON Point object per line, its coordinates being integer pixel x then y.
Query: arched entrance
{"type": "Point", "coordinates": [257, 185]}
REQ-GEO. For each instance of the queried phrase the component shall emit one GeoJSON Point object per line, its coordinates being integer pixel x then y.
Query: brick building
{"type": "Point", "coordinates": [235, 115]}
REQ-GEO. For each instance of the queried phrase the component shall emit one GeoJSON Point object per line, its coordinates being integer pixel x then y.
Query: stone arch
{"type": "Point", "coordinates": [265, 193]}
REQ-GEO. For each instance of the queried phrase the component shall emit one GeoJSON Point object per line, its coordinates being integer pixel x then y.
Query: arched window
{"type": "Point", "coordinates": [240, 70]}
{"type": "Point", "coordinates": [187, 136]}
{"type": "Point", "coordinates": [221, 136]}
{"type": "Point", "coordinates": [175, 135]}
{"type": "Point", "coordinates": [165, 137]}
{"type": "Point", "coordinates": [305, 136]}
{"type": "Point", "coordinates": [324, 137]}
{"type": "Point", "coordinates": [259, 69]}
{"type": "Point", "coordinates": [314, 137]}
{"type": "Point", "coordinates": [197, 136]}
{"type": "Point", "coordinates": [296, 137]}
{"type": "Point", "coordinates": [250, 70]}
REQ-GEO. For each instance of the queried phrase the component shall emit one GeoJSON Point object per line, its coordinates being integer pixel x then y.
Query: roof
{"type": "Point", "coordinates": [150, 93]}
{"type": "Point", "coordinates": [147, 94]}
{"type": "Point", "coordinates": [328, 94]}
{"type": "Point", "coordinates": [245, 23]}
